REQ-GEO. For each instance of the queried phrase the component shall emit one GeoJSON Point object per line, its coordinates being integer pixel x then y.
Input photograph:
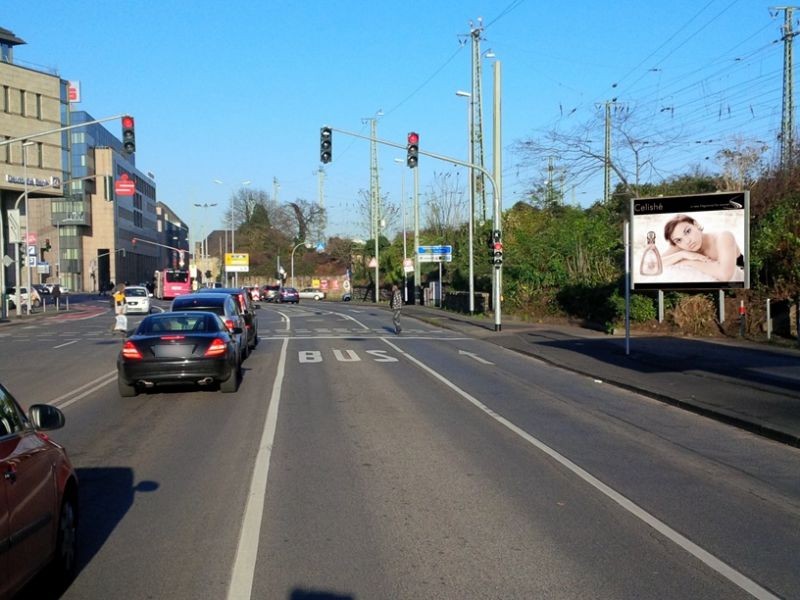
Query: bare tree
{"type": "Point", "coordinates": [581, 156]}
{"type": "Point", "coordinates": [447, 206]}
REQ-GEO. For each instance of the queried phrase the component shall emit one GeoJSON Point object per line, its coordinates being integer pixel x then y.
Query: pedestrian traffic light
{"type": "Point", "coordinates": [47, 245]}
{"type": "Point", "coordinates": [325, 144]}
{"type": "Point", "coordinates": [128, 135]}
{"type": "Point", "coordinates": [412, 148]}
{"type": "Point", "coordinates": [496, 248]}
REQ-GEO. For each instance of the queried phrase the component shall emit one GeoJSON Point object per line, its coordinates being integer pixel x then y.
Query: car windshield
{"type": "Point", "coordinates": [135, 292]}
{"type": "Point", "coordinates": [178, 322]}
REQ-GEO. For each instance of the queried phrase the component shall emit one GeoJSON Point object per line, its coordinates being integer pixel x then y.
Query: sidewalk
{"type": "Point", "coordinates": [746, 384]}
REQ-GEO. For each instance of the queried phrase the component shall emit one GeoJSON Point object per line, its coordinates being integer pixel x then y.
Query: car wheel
{"type": "Point", "coordinates": [231, 384]}
{"type": "Point", "coordinates": [125, 390]}
{"type": "Point", "coordinates": [66, 554]}
{"type": "Point", "coordinates": [36, 303]}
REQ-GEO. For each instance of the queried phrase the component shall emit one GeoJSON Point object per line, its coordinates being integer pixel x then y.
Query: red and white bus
{"type": "Point", "coordinates": [173, 282]}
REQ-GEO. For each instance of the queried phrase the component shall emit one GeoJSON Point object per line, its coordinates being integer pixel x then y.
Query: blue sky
{"type": "Point", "coordinates": [238, 90]}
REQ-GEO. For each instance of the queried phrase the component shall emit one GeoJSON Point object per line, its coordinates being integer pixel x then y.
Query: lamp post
{"type": "Point", "coordinates": [203, 240]}
{"type": "Point", "coordinates": [471, 220]}
{"type": "Point", "coordinates": [401, 162]}
{"type": "Point", "coordinates": [308, 245]}
{"type": "Point", "coordinates": [233, 228]}
{"type": "Point", "coordinates": [27, 230]}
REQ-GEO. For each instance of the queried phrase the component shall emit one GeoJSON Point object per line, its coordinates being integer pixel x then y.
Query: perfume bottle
{"type": "Point", "coordinates": [651, 259]}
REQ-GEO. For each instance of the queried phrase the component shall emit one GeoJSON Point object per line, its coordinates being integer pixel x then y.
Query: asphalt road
{"type": "Point", "coordinates": [354, 463]}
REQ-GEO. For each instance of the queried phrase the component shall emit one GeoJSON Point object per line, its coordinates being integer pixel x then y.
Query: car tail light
{"type": "Point", "coordinates": [173, 337]}
{"type": "Point", "coordinates": [230, 324]}
{"type": "Point", "coordinates": [130, 351]}
{"type": "Point", "coordinates": [217, 348]}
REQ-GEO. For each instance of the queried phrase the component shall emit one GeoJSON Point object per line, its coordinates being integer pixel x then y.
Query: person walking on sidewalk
{"type": "Point", "coordinates": [396, 304]}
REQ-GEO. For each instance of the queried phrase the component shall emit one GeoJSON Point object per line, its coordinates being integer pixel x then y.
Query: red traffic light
{"type": "Point", "coordinates": [498, 246]}
{"type": "Point", "coordinates": [128, 135]}
{"type": "Point", "coordinates": [413, 138]}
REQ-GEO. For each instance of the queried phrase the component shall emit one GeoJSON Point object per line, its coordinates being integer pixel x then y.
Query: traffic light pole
{"type": "Point", "coordinates": [496, 219]}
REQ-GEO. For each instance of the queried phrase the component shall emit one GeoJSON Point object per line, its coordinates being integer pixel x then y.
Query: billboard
{"type": "Point", "coordinates": [698, 242]}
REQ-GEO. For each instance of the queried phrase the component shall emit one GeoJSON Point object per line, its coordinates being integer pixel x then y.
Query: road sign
{"type": "Point", "coordinates": [32, 261]}
{"type": "Point", "coordinates": [435, 250]}
{"type": "Point", "coordinates": [408, 265]}
{"type": "Point", "coordinates": [236, 262]}
{"type": "Point", "coordinates": [437, 254]}
{"type": "Point", "coordinates": [31, 250]}
{"type": "Point", "coordinates": [124, 186]}
{"type": "Point", "coordinates": [31, 238]}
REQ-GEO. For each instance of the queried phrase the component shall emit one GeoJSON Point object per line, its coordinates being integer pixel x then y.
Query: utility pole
{"type": "Point", "coordinates": [375, 195]}
{"type": "Point", "coordinates": [607, 155]}
{"type": "Point", "coordinates": [787, 113]}
{"type": "Point", "coordinates": [322, 220]}
{"type": "Point", "coordinates": [477, 183]}
{"type": "Point", "coordinates": [276, 186]}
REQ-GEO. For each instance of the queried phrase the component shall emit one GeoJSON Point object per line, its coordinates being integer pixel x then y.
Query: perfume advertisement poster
{"type": "Point", "coordinates": [690, 242]}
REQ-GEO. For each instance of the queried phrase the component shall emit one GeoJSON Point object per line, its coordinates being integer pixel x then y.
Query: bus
{"type": "Point", "coordinates": [173, 282]}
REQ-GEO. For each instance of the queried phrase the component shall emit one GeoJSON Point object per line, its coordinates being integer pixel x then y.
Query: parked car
{"type": "Point", "coordinates": [270, 292]}
{"type": "Point", "coordinates": [224, 306]}
{"type": "Point", "coordinates": [11, 294]}
{"type": "Point", "coordinates": [38, 498]}
{"type": "Point", "coordinates": [137, 299]}
{"type": "Point", "coordinates": [347, 297]}
{"type": "Point", "coordinates": [312, 294]}
{"type": "Point", "coordinates": [42, 289]}
{"type": "Point", "coordinates": [180, 347]}
{"type": "Point", "coordinates": [248, 309]}
{"type": "Point", "coordinates": [289, 294]}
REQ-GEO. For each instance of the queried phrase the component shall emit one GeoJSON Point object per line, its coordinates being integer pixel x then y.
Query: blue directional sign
{"type": "Point", "coordinates": [435, 249]}
{"type": "Point", "coordinates": [435, 253]}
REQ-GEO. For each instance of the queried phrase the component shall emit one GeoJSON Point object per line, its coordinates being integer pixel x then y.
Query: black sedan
{"type": "Point", "coordinates": [179, 347]}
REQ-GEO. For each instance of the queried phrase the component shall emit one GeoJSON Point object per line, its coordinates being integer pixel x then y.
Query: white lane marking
{"type": "Point", "coordinates": [476, 357]}
{"type": "Point", "coordinates": [724, 569]}
{"type": "Point", "coordinates": [92, 386]}
{"type": "Point", "coordinates": [244, 565]}
{"type": "Point", "coordinates": [66, 344]}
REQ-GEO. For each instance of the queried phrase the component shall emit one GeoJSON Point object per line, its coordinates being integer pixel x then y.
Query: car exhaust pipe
{"type": "Point", "coordinates": [205, 381]}
{"type": "Point", "coordinates": [147, 384]}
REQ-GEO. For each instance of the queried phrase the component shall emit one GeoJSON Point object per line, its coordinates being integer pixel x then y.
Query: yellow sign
{"type": "Point", "coordinates": [237, 262]}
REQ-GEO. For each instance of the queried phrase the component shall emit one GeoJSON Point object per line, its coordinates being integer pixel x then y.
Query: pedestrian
{"type": "Point", "coordinates": [396, 304]}
{"type": "Point", "coordinates": [56, 294]}
{"type": "Point", "coordinates": [120, 320]}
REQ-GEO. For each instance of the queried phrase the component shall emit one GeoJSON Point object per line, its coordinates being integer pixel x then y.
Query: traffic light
{"type": "Point", "coordinates": [325, 144]}
{"type": "Point", "coordinates": [47, 245]}
{"type": "Point", "coordinates": [128, 135]}
{"type": "Point", "coordinates": [496, 249]}
{"type": "Point", "coordinates": [413, 149]}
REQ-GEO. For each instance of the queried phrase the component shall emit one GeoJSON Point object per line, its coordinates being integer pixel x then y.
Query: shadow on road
{"type": "Point", "coordinates": [106, 495]}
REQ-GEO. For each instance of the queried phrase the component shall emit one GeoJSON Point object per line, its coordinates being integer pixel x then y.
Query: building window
{"type": "Point", "coordinates": [6, 98]}
{"type": "Point", "coordinates": [22, 102]}
{"type": "Point", "coordinates": [39, 106]}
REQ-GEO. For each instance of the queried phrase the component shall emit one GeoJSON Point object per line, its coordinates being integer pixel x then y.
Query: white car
{"type": "Point", "coordinates": [11, 297]}
{"type": "Point", "coordinates": [312, 294]}
{"type": "Point", "coordinates": [137, 299]}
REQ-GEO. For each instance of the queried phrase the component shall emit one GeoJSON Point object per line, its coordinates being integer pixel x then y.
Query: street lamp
{"type": "Point", "coordinates": [308, 245]}
{"type": "Point", "coordinates": [203, 240]}
{"type": "Point", "coordinates": [27, 232]}
{"type": "Point", "coordinates": [401, 161]}
{"type": "Point", "coordinates": [233, 229]}
{"type": "Point", "coordinates": [471, 221]}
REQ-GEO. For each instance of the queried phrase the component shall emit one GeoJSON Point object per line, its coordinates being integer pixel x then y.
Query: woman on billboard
{"type": "Point", "coordinates": [715, 254]}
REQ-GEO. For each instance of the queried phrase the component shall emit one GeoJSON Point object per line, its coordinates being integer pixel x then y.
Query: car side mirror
{"type": "Point", "coordinates": [45, 417]}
